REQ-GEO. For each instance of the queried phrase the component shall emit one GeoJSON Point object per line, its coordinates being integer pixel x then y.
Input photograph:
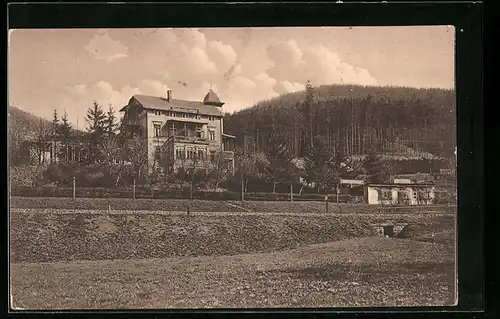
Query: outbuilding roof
{"type": "Point", "coordinates": [160, 103]}
{"type": "Point", "coordinates": [400, 185]}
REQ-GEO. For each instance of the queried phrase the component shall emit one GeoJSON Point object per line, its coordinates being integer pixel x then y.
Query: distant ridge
{"type": "Point", "coordinates": [353, 120]}
{"type": "Point", "coordinates": [339, 91]}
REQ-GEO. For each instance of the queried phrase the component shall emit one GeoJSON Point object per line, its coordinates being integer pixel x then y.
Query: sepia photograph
{"type": "Point", "coordinates": [223, 168]}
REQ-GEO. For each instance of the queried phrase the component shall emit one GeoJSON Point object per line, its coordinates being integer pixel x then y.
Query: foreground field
{"type": "Point", "coordinates": [372, 271]}
{"type": "Point", "coordinates": [95, 258]}
{"type": "Point", "coordinates": [62, 235]}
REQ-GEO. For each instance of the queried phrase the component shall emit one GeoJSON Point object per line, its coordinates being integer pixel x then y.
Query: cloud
{"type": "Point", "coordinates": [78, 98]}
{"type": "Point", "coordinates": [222, 54]}
{"type": "Point", "coordinates": [289, 87]}
{"type": "Point", "coordinates": [293, 65]}
{"type": "Point", "coordinates": [244, 91]}
{"type": "Point", "coordinates": [152, 87]}
{"type": "Point", "coordinates": [191, 37]}
{"type": "Point", "coordinates": [103, 47]}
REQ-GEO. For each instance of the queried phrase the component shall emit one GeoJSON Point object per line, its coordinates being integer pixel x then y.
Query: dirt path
{"type": "Point", "coordinates": [246, 213]}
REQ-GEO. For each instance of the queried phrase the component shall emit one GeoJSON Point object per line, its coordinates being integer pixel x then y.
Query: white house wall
{"type": "Point", "coordinates": [373, 195]}
{"type": "Point", "coordinates": [149, 118]}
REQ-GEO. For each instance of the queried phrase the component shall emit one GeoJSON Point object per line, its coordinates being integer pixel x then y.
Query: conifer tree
{"type": "Point", "coordinates": [55, 124]}
{"type": "Point", "coordinates": [110, 122]}
{"type": "Point", "coordinates": [95, 119]}
{"type": "Point", "coordinates": [321, 166]}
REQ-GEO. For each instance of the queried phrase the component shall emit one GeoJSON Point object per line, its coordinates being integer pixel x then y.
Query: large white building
{"type": "Point", "coordinates": [180, 132]}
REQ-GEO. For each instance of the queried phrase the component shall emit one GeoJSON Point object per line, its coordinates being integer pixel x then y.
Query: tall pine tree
{"type": "Point", "coordinates": [110, 122]}
{"type": "Point", "coordinates": [96, 120]}
{"type": "Point", "coordinates": [321, 166]}
{"type": "Point", "coordinates": [65, 133]}
{"type": "Point", "coordinates": [55, 124]}
{"type": "Point", "coordinates": [377, 171]}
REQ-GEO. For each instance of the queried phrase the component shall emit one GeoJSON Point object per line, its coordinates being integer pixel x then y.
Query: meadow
{"type": "Point", "coordinates": [226, 255]}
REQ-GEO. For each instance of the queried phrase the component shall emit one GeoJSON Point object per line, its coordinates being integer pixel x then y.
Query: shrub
{"type": "Point", "coordinates": [25, 175]}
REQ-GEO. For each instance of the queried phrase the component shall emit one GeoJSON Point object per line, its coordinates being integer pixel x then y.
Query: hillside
{"type": "Point", "coordinates": [24, 124]}
{"type": "Point", "coordinates": [353, 120]}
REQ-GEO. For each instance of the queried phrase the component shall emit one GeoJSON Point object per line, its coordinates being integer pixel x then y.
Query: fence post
{"type": "Point", "coordinates": [74, 187]}
{"type": "Point", "coordinates": [338, 192]}
{"type": "Point", "coordinates": [291, 192]}
{"type": "Point", "coordinates": [242, 190]}
{"type": "Point", "coordinates": [326, 203]}
{"type": "Point", "coordinates": [133, 190]}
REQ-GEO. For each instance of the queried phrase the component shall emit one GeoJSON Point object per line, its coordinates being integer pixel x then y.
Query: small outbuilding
{"type": "Point", "coordinates": [400, 194]}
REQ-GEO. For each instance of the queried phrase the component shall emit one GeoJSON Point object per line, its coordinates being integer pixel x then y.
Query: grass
{"type": "Point", "coordinates": [38, 237]}
{"type": "Point", "coordinates": [66, 236]}
{"type": "Point", "coordinates": [371, 271]}
{"type": "Point", "coordinates": [92, 259]}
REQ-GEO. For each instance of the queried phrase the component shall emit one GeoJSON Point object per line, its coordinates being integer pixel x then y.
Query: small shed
{"type": "Point", "coordinates": [351, 187]}
{"type": "Point", "coordinates": [400, 194]}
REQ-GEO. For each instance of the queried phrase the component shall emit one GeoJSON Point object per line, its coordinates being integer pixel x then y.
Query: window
{"type": "Point", "coordinates": [157, 130]}
{"type": "Point", "coordinates": [157, 112]}
{"type": "Point", "coordinates": [199, 131]}
{"type": "Point", "coordinates": [185, 129]}
{"type": "Point", "coordinates": [211, 135]}
{"type": "Point", "coordinates": [385, 194]}
{"type": "Point", "coordinates": [157, 152]}
{"type": "Point", "coordinates": [211, 118]}
{"type": "Point", "coordinates": [415, 195]}
{"type": "Point", "coordinates": [201, 154]}
{"type": "Point", "coordinates": [173, 131]}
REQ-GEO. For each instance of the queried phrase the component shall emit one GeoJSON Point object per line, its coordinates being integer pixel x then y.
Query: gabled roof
{"type": "Point", "coordinates": [159, 103]}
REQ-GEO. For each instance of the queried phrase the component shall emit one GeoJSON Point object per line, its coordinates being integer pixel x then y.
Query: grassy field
{"type": "Point", "coordinates": [67, 258]}
{"type": "Point", "coordinates": [372, 271]}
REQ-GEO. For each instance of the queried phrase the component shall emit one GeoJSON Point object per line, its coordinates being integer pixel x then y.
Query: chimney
{"type": "Point", "coordinates": [169, 95]}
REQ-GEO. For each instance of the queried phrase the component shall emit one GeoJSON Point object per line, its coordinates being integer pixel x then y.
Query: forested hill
{"type": "Point", "coordinates": [23, 124]}
{"type": "Point", "coordinates": [353, 120]}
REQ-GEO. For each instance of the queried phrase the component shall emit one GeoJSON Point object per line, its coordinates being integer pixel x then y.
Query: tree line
{"type": "Point", "coordinates": [418, 122]}
{"type": "Point", "coordinates": [305, 142]}
{"type": "Point", "coordinates": [357, 136]}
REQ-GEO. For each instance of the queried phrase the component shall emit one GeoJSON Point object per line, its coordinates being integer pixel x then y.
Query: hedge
{"type": "Point", "coordinates": [140, 192]}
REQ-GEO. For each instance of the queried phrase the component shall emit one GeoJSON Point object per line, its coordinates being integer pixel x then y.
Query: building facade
{"type": "Point", "coordinates": [400, 194]}
{"type": "Point", "coordinates": [180, 133]}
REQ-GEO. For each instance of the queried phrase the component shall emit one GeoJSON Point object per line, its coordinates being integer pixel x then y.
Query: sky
{"type": "Point", "coordinates": [67, 69]}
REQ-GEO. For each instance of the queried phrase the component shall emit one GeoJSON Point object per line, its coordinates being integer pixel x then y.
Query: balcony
{"type": "Point", "coordinates": [188, 139]}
